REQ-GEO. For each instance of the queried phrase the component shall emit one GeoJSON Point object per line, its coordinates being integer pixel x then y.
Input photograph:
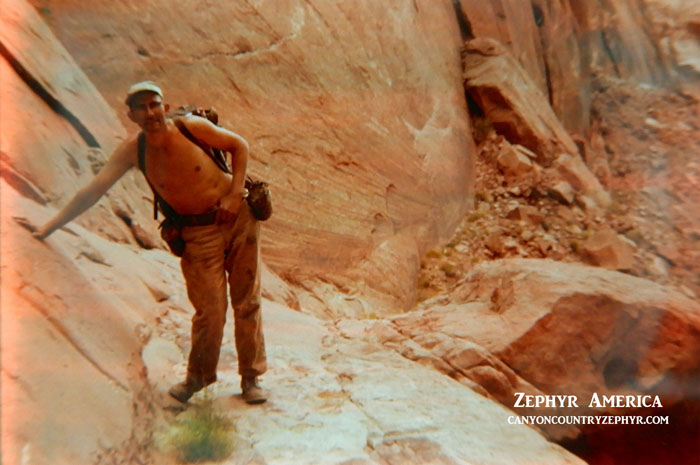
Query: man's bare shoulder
{"type": "Point", "coordinates": [214, 135]}
{"type": "Point", "coordinates": [127, 150]}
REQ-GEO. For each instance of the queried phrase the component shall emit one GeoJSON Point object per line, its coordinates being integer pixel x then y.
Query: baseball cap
{"type": "Point", "coordinates": [143, 86]}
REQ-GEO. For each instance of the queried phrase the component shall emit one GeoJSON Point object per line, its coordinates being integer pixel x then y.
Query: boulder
{"type": "Point", "coordinates": [513, 162]}
{"type": "Point", "coordinates": [496, 243]}
{"type": "Point", "coordinates": [562, 192]}
{"type": "Point", "coordinates": [574, 171]}
{"type": "Point", "coordinates": [512, 102]}
{"type": "Point", "coordinates": [569, 329]}
{"type": "Point", "coordinates": [526, 213]}
{"type": "Point", "coordinates": [609, 250]}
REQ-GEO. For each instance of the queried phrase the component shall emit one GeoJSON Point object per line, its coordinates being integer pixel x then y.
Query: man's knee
{"type": "Point", "coordinates": [208, 300]}
{"type": "Point", "coordinates": [245, 296]}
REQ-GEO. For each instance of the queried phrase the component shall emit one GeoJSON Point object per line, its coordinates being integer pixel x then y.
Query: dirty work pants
{"type": "Point", "coordinates": [213, 252]}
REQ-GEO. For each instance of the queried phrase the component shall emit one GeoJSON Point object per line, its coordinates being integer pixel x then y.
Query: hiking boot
{"type": "Point", "coordinates": [252, 393]}
{"type": "Point", "coordinates": [183, 391]}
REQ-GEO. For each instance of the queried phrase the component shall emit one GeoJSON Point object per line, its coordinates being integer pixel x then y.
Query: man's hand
{"type": "Point", "coordinates": [228, 207]}
{"type": "Point", "coordinates": [38, 233]}
{"type": "Point", "coordinates": [41, 233]}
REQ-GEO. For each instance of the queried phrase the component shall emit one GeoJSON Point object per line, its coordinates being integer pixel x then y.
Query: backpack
{"type": "Point", "coordinates": [258, 197]}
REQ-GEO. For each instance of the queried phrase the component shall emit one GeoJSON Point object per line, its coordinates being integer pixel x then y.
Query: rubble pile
{"type": "Point", "coordinates": [641, 148]}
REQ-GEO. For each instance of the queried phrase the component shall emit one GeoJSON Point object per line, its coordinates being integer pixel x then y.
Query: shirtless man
{"type": "Point", "coordinates": [220, 233]}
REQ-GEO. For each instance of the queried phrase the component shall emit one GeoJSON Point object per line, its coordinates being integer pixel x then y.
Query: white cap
{"type": "Point", "coordinates": [143, 86]}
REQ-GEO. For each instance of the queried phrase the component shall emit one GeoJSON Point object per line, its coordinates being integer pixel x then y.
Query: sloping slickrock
{"type": "Point", "coordinates": [512, 102]}
{"type": "Point", "coordinates": [30, 41]}
{"type": "Point", "coordinates": [337, 396]}
{"type": "Point", "coordinates": [466, 362]}
{"type": "Point", "coordinates": [567, 329]}
{"type": "Point", "coordinates": [74, 312]}
{"type": "Point", "coordinates": [354, 111]}
{"type": "Point", "coordinates": [43, 156]}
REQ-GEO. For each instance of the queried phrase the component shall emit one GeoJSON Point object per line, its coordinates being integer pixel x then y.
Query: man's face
{"type": "Point", "coordinates": [147, 110]}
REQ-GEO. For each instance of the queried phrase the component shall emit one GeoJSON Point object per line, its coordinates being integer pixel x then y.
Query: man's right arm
{"type": "Point", "coordinates": [123, 158]}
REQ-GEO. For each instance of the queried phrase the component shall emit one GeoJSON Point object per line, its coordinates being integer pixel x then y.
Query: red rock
{"type": "Point", "coordinates": [640, 42]}
{"type": "Point", "coordinates": [525, 151]}
{"type": "Point", "coordinates": [511, 23]}
{"type": "Point", "coordinates": [607, 249]}
{"type": "Point", "coordinates": [363, 189]}
{"type": "Point", "coordinates": [496, 243]}
{"type": "Point", "coordinates": [321, 107]}
{"type": "Point", "coordinates": [562, 192]}
{"type": "Point", "coordinates": [512, 102]}
{"type": "Point", "coordinates": [560, 43]}
{"type": "Point", "coordinates": [574, 171]}
{"type": "Point", "coordinates": [526, 213]}
{"type": "Point", "coordinates": [564, 328]}
{"type": "Point", "coordinates": [513, 162]}
{"type": "Point", "coordinates": [669, 251]}
{"type": "Point", "coordinates": [587, 204]}
{"type": "Point", "coordinates": [547, 47]}
{"type": "Point", "coordinates": [60, 160]}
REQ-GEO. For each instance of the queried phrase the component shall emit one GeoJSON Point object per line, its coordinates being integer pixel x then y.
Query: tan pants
{"type": "Point", "coordinates": [211, 253]}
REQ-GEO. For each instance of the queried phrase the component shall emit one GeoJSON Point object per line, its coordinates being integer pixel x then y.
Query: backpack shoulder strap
{"type": "Point", "coordinates": [215, 154]}
{"type": "Point", "coordinates": [186, 132]}
{"type": "Point", "coordinates": [157, 199]}
{"type": "Point", "coordinates": [142, 152]}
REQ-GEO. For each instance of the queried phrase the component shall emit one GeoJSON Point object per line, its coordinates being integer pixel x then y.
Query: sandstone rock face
{"type": "Point", "coordinates": [560, 44]}
{"type": "Point", "coordinates": [361, 131]}
{"type": "Point", "coordinates": [71, 339]}
{"type": "Point", "coordinates": [561, 329]}
{"type": "Point", "coordinates": [47, 154]}
{"type": "Point", "coordinates": [358, 402]}
{"type": "Point", "coordinates": [94, 333]}
{"type": "Point", "coordinates": [356, 115]}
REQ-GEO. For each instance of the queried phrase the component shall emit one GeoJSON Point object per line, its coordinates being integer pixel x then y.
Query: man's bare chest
{"type": "Point", "coordinates": [177, 164]}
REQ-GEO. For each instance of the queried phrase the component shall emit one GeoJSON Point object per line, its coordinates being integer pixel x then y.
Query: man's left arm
{"type": "Point", "coordinates": [224, 139]}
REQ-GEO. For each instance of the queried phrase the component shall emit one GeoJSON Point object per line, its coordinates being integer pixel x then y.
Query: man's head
{"type": "Point", "coordinates": [145, 101]}
{"type": "Point", "coordinates": [140, 87]}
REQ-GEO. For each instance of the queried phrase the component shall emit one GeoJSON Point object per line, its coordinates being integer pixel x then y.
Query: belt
{"type": "Point", "coordinates": [202, 219]}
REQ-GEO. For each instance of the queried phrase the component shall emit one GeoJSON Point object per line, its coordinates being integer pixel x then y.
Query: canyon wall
{"type": "Point", "coordinates": [563, 45]}
{"type": "Point", "coordinates": [357, 117]}
{"type": "Point", "coordinates": [354, 113]}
